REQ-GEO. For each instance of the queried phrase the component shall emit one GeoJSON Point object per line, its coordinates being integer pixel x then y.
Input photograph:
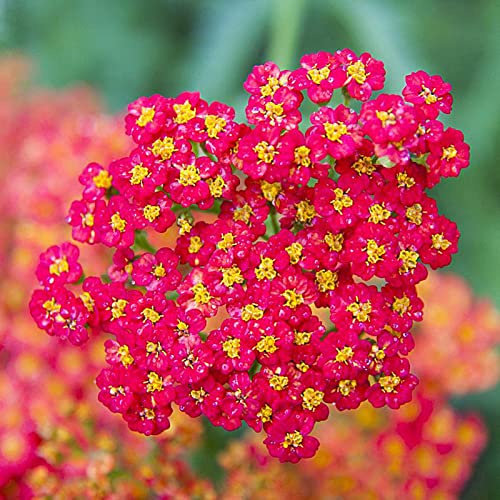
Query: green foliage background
{"type": "Point", "coordinates": [127, 48]}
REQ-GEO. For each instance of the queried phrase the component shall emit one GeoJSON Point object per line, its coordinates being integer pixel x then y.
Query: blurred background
{"type": "Point", "coordinates": [128, 48]}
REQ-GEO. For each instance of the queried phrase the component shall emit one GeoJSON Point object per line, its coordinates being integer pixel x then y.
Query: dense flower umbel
{"type": "Point", "coordinates": [332, 217]}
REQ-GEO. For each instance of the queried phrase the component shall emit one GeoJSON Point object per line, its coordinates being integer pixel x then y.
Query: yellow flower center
{"type": "Point", "coordinates": [195, 244]}
{"type": "Point", "coordinates": [184, 226]}
{"type": "Point", "coordinates": [148, 414]}
{"type": "Point", "coordinates": [164, 148]}
{"type": "Point", "coordinates": [182, 327]}
{"type": "Point", "coordinates": [159, 271]}
{"type": "Point", "coordinates": [414, 214]}
{"type": "Point", "coordinates": [231, 275]}
{"type": "Point", "coordinates": [184, 112]}
{"type": "Point", "coordinates": [311, 398]}
{"type": "Point", "coordinates": [102, 180]}
{"type": "Point", "coordinates": [386, 117]}
{"type": "Point", "coordinates": [364, 165]}
{"type": "Point", "coordinates": [335, 242]}
{"type": "Point", "coordinates": [344, 354]}
{"type": "Point", "coordinates": [87, 220]}
{"type": "Point", "coordinates": [335, 131]}
{"type": "Point", "coordinates": [295, 252]}
{"type": "Point", "coordinates": [303, 367]}
{"type": "Point", "coordinates": [265, 151]}
{"type": "Point", "coordinates": [326, 280]}
{"type": "Point", "coordinates": [401, 305]}
{"type": "Point", "coordinates": [243, 213]}
{"type": "Point", "coordinates": [232, 348]}
{"type": "Point", "coordinates": [409, 258]}
{"type": "Point", "coordinates": [270, 190]}
{"type": "Point", "coordinates": [252, 311]}
{"type": "Point", "coordinates": [267, 344]}
{"type": "Point", "coordinates": [59, 266]}
{"type": "Point", "coordinates": [305, 212]}
{"type": "Point", "coordinates": [357, 71]}
{"type": "Point", "coordinates": [449, 153]}
{"type": "Point", "coordinates": [151, 212]}
{"type": "Point", "coordinates": [154, 382]}
{"type": "Point", "coordinates": [150, 314]}
{"type": "Point", "coordinates": [428, 94]}
{"type": "Point", "coordinates": [117, 223]}
{"type": "Point", "coordinates": [318, 75]}
{"type": "Point", "coordinates": [114, 391]}
{"type": "Point", "coordinates": [292, 299]}
{"type": "Point", "coordinates": [360, 310]}
{"type": "Point", "coordinates": [139, 173]}
{"type": "Point", "coordinates": [198, 395]}
{"type": "Point", "coordinates": [341, 200]}
{"type": "Point", "coordinates": [118, 308]}
{"type": "Point", "coordinates": [189, 175]}
{"type": "Point", "coordinates": [216, 186]}
{"type": "Point", "coordinates": [301, 156]}
{"type": "Point", "coordinates": [154, 348]}
{"type": "Point", "coordinates": [302, 338]}
{"type": "Point", "coordinates": [273, 110]}
{"type": "Point", "coordinates": [389, 383]}
{"type": "Point", "coordinates": [88, 301]}
{"type": "Point", "coordinates": [378, 214]}
{"type": "Point", "coordinates": [147, 115]}
{"type": "Point", "coordinates": [226, 242]}
{"type": "Point", "coordinates": [270, 87]}
{"type": "Point", "coordinates": [265, 414]}
{"type": "Point", "coordinates": [346, 387]}
{"type": "Point", "coordinates": [278, 382]}
{"type": "Point", "coordinates": [404, 180]}
{"type": "Point", "coordinates": [126, 358]}
{"type": "Point", "coordinates": [201, 294]}
{"type": "Point", "coordinates": [374, 252]}
{"type": "Point", "coordinates": [293, 439]}
{"type": "Point", "coordinates": [215, 125]}
{"type": "Point", "coordinates": [439, 242]}
{"type": "Point", "coordinates": [266, 269]}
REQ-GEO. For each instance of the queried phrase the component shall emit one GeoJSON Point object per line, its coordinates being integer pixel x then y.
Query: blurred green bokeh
{"type": "Point", "coordinates": [127, 48]}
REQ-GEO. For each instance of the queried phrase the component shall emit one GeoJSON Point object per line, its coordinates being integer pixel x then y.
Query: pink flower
{"type": "Point", "coordinates": [430, 93]}
{"type": "Point", "coordinates": [59, 265]}
{"type": "Point", "coordinates": [157, 272]}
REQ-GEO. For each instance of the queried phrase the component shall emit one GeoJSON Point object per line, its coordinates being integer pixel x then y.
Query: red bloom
{"type": "Point", "coordinates": [335, 132]}
{"type": "Point", "coordinates": [448, 156]}
{"type": "Point", "coordinates": [264, 154]}
{"type": "Point", "coordinates": [146, 117]}
{"type": "Point", "coordinates": [363, 74]}
{"type": "Point", "coordinates": [96, 181]}
{"type": "Point", "coordinates": [115, 222]}
{"type": "Point", "coordinates": [157, 272]}
{"type": "Point", "coordinates": [288, 439]}
{"type": "Point", "coordinates": [430, 93]}
{"type": "Point", "coordinates": [319, 75]}
{"type": "Point", "coordinates": [59, 265]}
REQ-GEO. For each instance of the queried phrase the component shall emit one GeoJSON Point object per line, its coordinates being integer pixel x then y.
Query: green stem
{"type": "Point", "coordinates": [286, 21]}
{"type": "Point", "coordinates": [142, 243]}
{"type": "Point", "coordinates": [274, 220]}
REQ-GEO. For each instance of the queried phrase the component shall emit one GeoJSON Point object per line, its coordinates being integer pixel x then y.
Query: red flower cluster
{"type": "Point", "coordinates": [334, 216]}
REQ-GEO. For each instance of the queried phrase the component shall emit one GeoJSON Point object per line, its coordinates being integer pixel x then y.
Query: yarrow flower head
{"type": "Point", "coordinates": [262, 273]}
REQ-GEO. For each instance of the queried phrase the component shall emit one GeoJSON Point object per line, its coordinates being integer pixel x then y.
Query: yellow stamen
{"type": "Point", "coordinates": [357, 71]}
{"type": "Point", "coordinates": [189, 175]}
{"type": "Point", "coordinates": [232, 348]}
{"type": "Point", "coordinates": [147, 115]}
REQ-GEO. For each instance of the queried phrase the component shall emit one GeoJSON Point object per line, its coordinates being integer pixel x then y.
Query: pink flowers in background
{"type": "Point", "coordinates": [227, 317]}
